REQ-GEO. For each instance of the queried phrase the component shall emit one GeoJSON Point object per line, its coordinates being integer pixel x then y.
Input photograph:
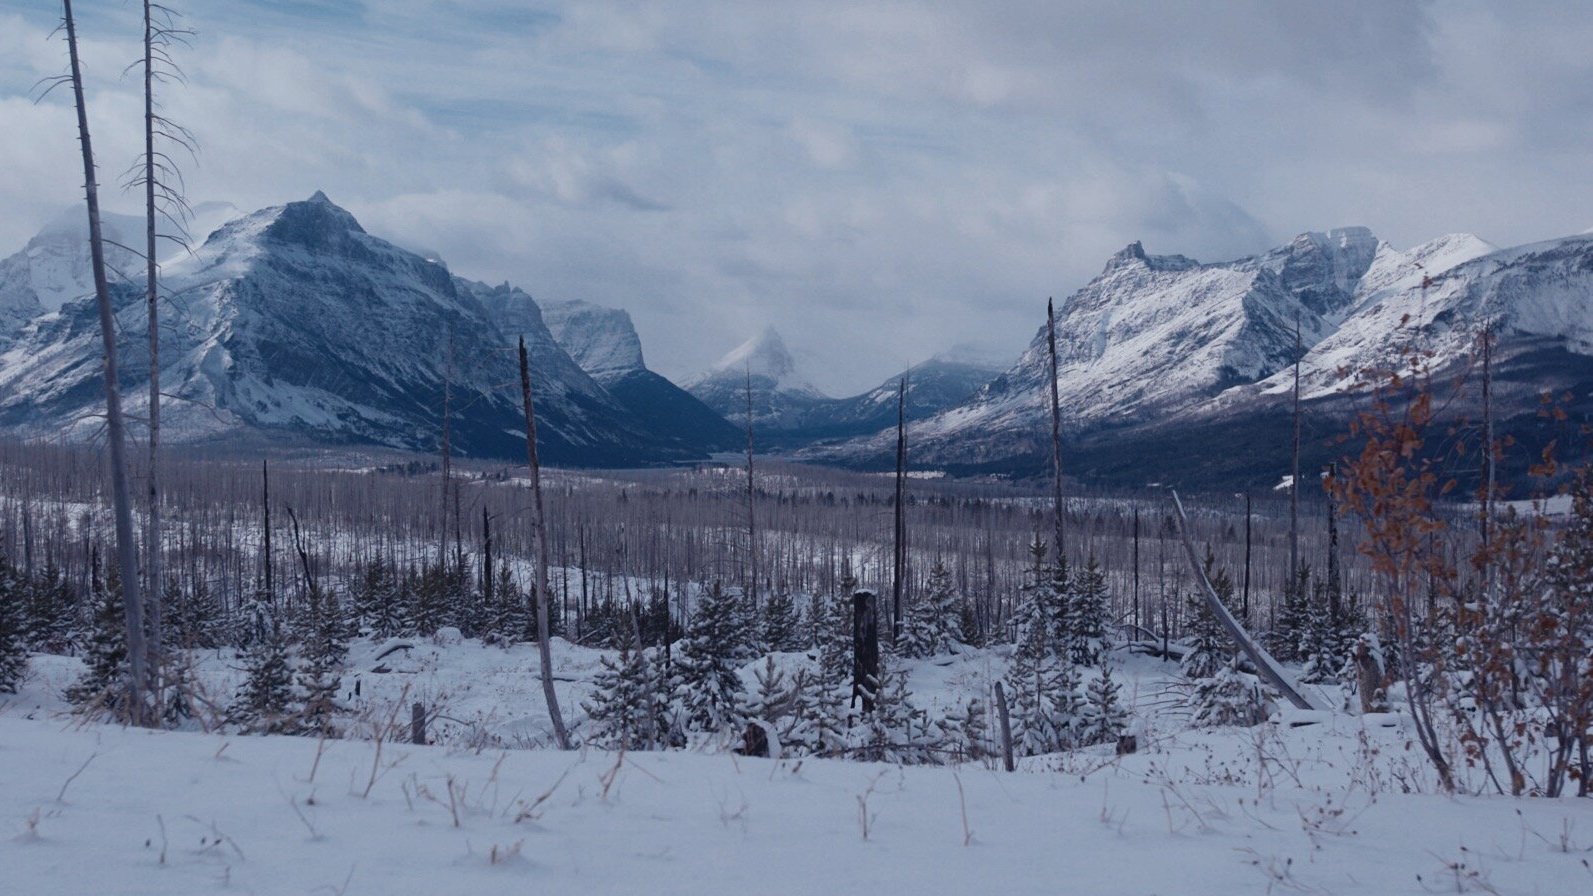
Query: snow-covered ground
{"type": "Point", "coordinates": [1335, 807]}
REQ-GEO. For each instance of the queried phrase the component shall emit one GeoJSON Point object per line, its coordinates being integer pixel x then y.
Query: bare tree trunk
{"type": "Point", "coordinates": [265, 504]}
{"type": "Point", "coordinates": [1294, 476]}
{"type": "Point", "coordinates": [539, 528]}
{"type": "Point", "coordinates": [1056, 436]}
{"type": "Point", "coordinates": [1006, 727]}
{"type": "Point", "coordinates": [899, 550]}
{"type": "Point", "coordinates": [447, 452]}
{"type": "Point", "coordinates": [1246, 599]}
{"type": "Point", "coordinates": [1489, 456]}
{"type": "Point", "coordinates": [1268, 667]}
{"type": "Point", "coordinates": [752, 520]}
{"type": "Point", "coordinates": [126, 547]}
{"type": "Point", "coordinates": [152, 553]}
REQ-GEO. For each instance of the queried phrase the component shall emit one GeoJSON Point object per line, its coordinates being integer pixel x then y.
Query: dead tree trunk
{"type": "Point", "coordinates": [126, 547]}
{"type": "Point", "coordinates": [899, 545]}
{"type": "Point", "coordinates": [865, 649]}
{"type": "Point", "coordinates": [1265, 665]}
{"type": "Point", "coordinates": [1006, 727]}
{"type": "Point", "coordinates": [539, 526]}
{"type": "Point", "coordinates": [1056, 437]}
{"type": "Point", "coordinates": [752, 518]}
{"type": "Point", "coordinates": [1294, 474]}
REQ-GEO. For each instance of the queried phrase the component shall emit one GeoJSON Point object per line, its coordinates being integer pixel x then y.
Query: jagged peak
{"type": "Point", "coordinates": [1134, 254]}
{"type": "Point", "coordinates": [602, 340]}
{"type": "Point", "coordinates": [316, 222]}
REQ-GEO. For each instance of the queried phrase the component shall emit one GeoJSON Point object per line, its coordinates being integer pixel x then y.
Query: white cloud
{"type": "Point", "coordinates": [880, 180]}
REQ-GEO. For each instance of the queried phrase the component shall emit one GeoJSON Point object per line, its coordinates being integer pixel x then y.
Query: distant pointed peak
{"type": "Point", "coordinates": [315, 222]}
{"type": "Point", "coordinates": [1129, 254]}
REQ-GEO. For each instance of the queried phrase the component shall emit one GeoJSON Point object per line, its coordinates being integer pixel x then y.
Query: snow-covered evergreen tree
{"type": "Point", "coordinates": [103, 683]}
{"type": "Point", "coordinates": [1227, 697]}
{"type": "Point", "coordinates": [1203, 633]}
{"type": "Point", "coordinates": [13, 621]}
{"type": "Point", "coordinates": [965, 732]}
{"type": "Point", "coordinates": [320, 674]}
{"type": "Point", "coordinates": [1293, 618]}
{"type": "Point", "coordinates": [623, 708]}
{"type": "Point", "coordinates": [1089, 610]}
{"type": "Point", "coordinates": [263, 703]}
{"type": "Point", "coordinates": [52, 612]}
{"type": "Point", "coordinates": [1104, 716]}
{"type": "Point", "coordinates": [934, 621]}
{"type": "Point", "coordinates": [710, 689]}
{"type": "Point", "coordinates": [896, 731]}
{"type": "Point", "coordinates": [777, 701]}
{"type": "Point", "coordinates": [781, 625]}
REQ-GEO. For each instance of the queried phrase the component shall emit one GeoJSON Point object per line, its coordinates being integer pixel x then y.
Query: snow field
{"type": "Point", "coordinates": [90, 808]}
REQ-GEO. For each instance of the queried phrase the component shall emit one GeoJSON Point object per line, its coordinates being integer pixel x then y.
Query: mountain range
{"type": "Point", "coordinates": [292, 324]}
{"type": "Point", "coordinates": [1173, 371]}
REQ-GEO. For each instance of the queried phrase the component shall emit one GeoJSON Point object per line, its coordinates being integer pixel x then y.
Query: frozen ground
{"type": "Point", "coordinates": [89, 808]}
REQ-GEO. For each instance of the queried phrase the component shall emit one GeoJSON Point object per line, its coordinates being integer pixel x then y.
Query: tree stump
{"type": "Point", "coordinates": [865, 648]}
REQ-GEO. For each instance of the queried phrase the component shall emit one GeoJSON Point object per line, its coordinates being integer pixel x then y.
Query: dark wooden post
{"type": "Point", "coordinates": [417, 723]}
{"type": "Point", "coordinates": [865, 648]}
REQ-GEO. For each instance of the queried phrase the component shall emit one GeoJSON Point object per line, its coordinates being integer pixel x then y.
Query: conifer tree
{"type": "Point", "coordinates": [13, 645]}
{"type": "Point", "coordinates": [965, 732]}
{"type": "Point", "coordinates": [776, 701]}
{"type": "Point", "coordinates": [263, 703]}
{"type": "Point", "coordinates": [1105, 718]}
{"type": "Point", "coordinates": [101, 685]}
{"type": "Point", "coordinates": [781, 624]}
{"type": "Point", "coordinates": [1289, 628]}
{"type": "Point", "coordinates": [322, 651]}
{"type": "Point", "coordinates": [52, 610]}
{"type": "Point", "coordinates": [934, 622]}
{"type": "Point", "coordinates": [896, 731]}
{"type": "Point", "coordinates": [1089, 612]}
{"type": "Point", "coordinates": [1207, 641]}
{"type": "Point", "coordinates": [710, 689]}
{"type": "Point", "coordinates": [1226, 697]}
{"type": "Point", "coordinates": [377, 602]}
{"type": "Point", "coordinates": [623, 708]}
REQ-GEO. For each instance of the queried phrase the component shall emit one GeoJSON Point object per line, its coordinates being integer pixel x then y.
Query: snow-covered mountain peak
{"type": "Point", "coordinates": [1134, 255]}
{"type": "Point", "coordinates": [316, 223]}
{"type": "Point", "coordinates": [1322, 269]}
{"type": "Point", "coordinates": [765, 356]}
{"type": "Point", "coordinates": [602, 340]}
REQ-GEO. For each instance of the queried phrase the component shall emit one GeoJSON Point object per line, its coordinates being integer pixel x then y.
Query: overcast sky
{"type": "Point", "coordinates": [879, 181]}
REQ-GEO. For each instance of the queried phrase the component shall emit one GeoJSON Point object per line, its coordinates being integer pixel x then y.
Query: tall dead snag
{"type": "Point", "coordinates": [163, 197]}
{"type": "Point", "coordinates": [1266, 666]}
{"type": "Point", "coordinates": [1294, 469]}
{"type": "Point", "coordinates": [752, 519]}
{"type": "Point", "coordinates": [1056, 433]}
{"type": "Point", "coordinates": [899, 545]}
{"type": "Point", "coordinates": [138, 708]}
{"type": "Point", "coordinates": [539, 528]}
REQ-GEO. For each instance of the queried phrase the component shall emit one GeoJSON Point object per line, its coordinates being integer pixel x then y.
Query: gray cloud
{"type": "Point", "coordinates": [880, 181]}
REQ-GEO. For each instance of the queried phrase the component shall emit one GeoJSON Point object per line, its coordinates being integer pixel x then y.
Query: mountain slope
{"type": "Point", "coordinates": [53, 268]}
{"type": "Point", "coordinates": [763, 366]}
{"type": "Point", "coordinates": [294, 323]}
{"type": "Point", "coordinates": [1173, 371]}
{"type": "Point", "coordinates": [604, 342]}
